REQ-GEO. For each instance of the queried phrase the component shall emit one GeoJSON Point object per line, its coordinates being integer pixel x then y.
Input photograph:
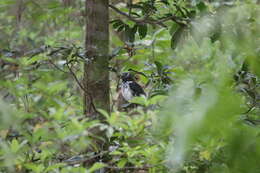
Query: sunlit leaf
{"type": "Point", "coordinates": [97, 166]}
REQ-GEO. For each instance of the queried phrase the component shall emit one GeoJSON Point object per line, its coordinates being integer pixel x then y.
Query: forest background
{"type": "Point", "coordinates": [198, 62]}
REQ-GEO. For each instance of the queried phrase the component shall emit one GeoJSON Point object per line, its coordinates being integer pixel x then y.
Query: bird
{"type": "Point", "coordinates": [129, 87]}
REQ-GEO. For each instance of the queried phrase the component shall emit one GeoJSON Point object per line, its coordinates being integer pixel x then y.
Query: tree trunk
{"type": "Point", "coordinates": [96, 71]}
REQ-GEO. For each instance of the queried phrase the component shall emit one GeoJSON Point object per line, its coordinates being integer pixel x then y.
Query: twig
{"type": "Point", "coordinates": [130, 7]}
{"type": "Point", "coordinates": [249, 110]}
{"type": "Point", "coordinates": [254, 122]}
{"type": "Point", "coordinates": [123, 14]}
{"type": "Point", "coordinates": [84, 159]}
{"type": "Point", "coordinates": [142, 21]}
{"type": "Point", "coordinates": [126, 60]}
{"type": "Point", "coordinates": [57, 67]}
{"type": "Point", "coordinates": [130, 167]}
{"type": "Point", "coordinates": [141, 73]}
{"type": "Point", "coordinates": [81, 86]}
{"type": "Point", "coordinates": [75, 77]}
{"type": "Point", "coordinates": [174, 18]}
{"type": "Point", "coordinates": [149, 20]}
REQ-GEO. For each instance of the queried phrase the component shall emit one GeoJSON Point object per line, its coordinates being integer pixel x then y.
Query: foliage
{"type": "Point", "coordinates": [206, 110]}
{"type": "Point", "coordinates": [198, 62]}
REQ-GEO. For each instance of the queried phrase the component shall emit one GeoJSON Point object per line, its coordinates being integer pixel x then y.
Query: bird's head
{"type": "Point", "coordinates": [126, 76]}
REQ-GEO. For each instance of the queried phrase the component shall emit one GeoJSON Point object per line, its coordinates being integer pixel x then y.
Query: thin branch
{"type": "Point", "coordinates": [57, 67]}
{"type": "Point", "coordinates": [126, 60]}
{"type": "Point", "coordinates": [252, 121]}
{"type": "Point", "coordinates": [142, 21]}
{"type": "Point", "coordinates": [154, 22]}
{"type": "Point", "coordinates": [130, 7]}
{"type": "Point", "coordinates": [176, 19]}
{"type": "Point", "coordinates": [248, 119]}
{"type": "Point", "coordinates": [84, 159]}
{"type": "Point", "coordinates": [138, 72]}
{"type": "Point", "coordinates": [81, 86]}
{"type": "Point", "coordinates": [130, 167]}
{"type": "Point", "coordinates": [249, 110]}
{"type": "Point", "coordinates": [149, 20]}
{"type": "Point", "coordinates": [123, 14]}
{"type": "Point", "coordinates": [78, 160]}
{"type": "Point", "coordinates": [75, 77]}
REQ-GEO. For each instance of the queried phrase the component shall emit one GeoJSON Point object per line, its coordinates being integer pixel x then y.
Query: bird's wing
{"type": "Point", "coordinates": [136, 88]}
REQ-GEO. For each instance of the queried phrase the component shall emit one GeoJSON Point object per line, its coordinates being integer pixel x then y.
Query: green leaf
{"type": "Point", "coordinates": [134, 29]}
{"type": "Point", "coordinates": [36, 168]}
{"type": "Point", "coordinates": [6, 2]}
{"type": "Point", "coordinates": [104, 113]}
{"type": "Point", "coordinates": [122, 163]}
{"type": "Point", "coordinates": [142, 30]}
{"type": "Point", "coordinates": [53, 4]}
{"type": "Point", "coordinates": [173, 28]}
{"type": "Point", "coordinates": [14, 146]}
{"type": "Point", "coordinates": [165, 2]}
{"type": "Point", "coordinates": [157, 99]}
{"type": "Point", "coordinates": [159, 67]}
{"type": "Point", "coordinates": [139, 100]}
{"type": "Point", "coordinates": [201, 6]}
{"type": "Point", "coordinates": [116, 153]}
{"type": "Point", "coordinates": [176, 37]}
{"type": "Point", "coordinates": [97, 166]}
{"type": "Point", "coordinates": [120, 28]}
{"type": "Point", "coordinates": [130, 33]}
{"type": "Point", "coordinates": [116, 51]}
{"type": "Point", "coordinates": [53, 167]}
{"type": "Point", "coordinates": [28, 61]}
{"type": "Point", "coordinates": [117, 24]}
{"type": "Point", "coordinates": [197, 93]}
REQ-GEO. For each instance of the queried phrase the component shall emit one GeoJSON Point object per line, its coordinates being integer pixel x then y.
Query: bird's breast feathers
{"type": "Point", "coordinates": [126, 91]}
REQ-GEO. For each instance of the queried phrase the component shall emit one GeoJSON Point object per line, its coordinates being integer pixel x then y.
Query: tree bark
{"type": "Point", "coordinates": [96, 71]}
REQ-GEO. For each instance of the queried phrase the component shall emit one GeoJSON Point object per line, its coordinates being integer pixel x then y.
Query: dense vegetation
{"type": "Point", "coordinates": [198, 62]}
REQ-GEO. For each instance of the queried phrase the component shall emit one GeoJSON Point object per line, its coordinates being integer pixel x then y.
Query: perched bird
{"type": "Point", "coordinates": [129, 87]}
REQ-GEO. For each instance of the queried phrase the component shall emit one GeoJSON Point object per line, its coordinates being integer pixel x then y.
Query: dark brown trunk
{"type": "Point", "coordinates": [96, 72]}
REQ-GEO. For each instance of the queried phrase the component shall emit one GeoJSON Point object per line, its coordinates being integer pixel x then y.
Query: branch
{"type": "Point", "coordinates": [148, 20]}
{"type": "Point", "coordinates": [130, 7]}
{"type": "Point", "coordinates": [252, 121]}
{"type": "Point", "coordinates": [249, 110]}
{"type": "Point", "coordinates": [130, 167]}
{"type": "Point", "coordinates": [79, 159]}
{"type": "Point", "coordinates": [248, 119]}
{"type": "Point", "coordinates": [176, 19]}
{"type": "Point", "coordinates": [57, 67]}
{"type": "Point", "coordinates": [123, 14]}
{"type": "Point", "coordinates": [75, 77]}
{"type": "Point", "coordinates": [81, 86]}
{"type": "Point", "coordinates": [138, 72]}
